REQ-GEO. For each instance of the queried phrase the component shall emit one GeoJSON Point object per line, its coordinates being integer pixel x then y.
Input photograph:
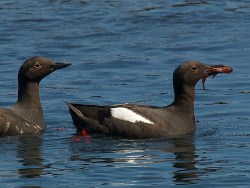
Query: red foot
{"type": "Point", "coordinates": [85, 134]}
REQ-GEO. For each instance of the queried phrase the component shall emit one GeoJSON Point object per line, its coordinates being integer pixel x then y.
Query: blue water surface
{"type": "Point", "coordinates": [125, 51]}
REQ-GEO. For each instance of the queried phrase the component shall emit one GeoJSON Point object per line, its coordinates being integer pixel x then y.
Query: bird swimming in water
{"type": "Point", "coordinates": [26, 116]}
{"type": "Point", "coordinates": [142, 121]}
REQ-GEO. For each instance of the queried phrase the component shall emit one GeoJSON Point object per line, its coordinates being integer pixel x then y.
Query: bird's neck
{"type": "Point", "coordinates": [184, 97]}
{"type": "Point", "coordinates": [28, 96]}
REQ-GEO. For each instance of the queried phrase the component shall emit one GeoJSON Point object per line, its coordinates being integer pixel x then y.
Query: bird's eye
{"type": "Point", "coordinates": [37, 66]}
{"type": "Point", "coordinates": [194, 68]}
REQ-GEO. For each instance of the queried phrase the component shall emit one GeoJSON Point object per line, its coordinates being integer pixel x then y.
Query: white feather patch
{"type": "Point", "coordinates": [128, 115]}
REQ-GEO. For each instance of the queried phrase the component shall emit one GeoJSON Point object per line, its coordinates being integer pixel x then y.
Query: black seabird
{"type": "Point", "coordinates": [141, 121]}
{"type": "Point", "coordinates": [26, 116]}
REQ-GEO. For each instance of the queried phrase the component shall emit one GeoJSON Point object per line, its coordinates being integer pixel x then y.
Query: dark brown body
{"type": "Point", "coordinates": [172, 121]}
{"type": "Point", "coordinates": [26, 116]}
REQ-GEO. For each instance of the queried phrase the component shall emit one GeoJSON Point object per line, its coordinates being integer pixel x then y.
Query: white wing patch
{"type": "Point", "coordinates": [128, 115]}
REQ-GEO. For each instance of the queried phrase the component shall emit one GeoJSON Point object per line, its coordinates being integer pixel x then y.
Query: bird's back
{"type": "Point", "coordinates": [13, 122]}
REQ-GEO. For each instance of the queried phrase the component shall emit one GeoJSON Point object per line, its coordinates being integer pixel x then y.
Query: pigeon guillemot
{"type": "Point", "coordinates": [26, 116]}
{"type": "Point", "coordinates": [141, 121]}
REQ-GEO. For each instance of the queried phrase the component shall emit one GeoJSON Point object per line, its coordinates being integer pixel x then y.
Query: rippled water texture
{"type": "Point", "coordinates": [125, 51]}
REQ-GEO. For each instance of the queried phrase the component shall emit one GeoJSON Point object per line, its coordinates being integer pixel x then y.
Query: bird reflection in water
{"type": "Point", "coordinates": [174, 158]}
{"type": "Point", "coordinates": [29, 156]}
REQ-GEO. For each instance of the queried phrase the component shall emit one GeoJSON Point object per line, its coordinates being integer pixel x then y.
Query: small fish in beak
{"type": "Point", "coordinates": [214, 70]}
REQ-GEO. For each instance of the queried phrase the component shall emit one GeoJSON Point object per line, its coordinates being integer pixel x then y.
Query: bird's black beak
{"type": "Point", "coordinates": [56, 66]}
